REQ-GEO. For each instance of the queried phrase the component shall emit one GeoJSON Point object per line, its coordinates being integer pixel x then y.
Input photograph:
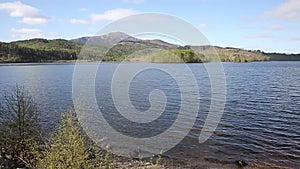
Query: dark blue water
{"type": "Point", "coordinates": [260, 123]}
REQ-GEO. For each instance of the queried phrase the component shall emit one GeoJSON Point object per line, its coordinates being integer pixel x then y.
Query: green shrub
{"type": "Point", "coordinates": [19, 130]}
{"type": "Point", "coordinates": [69, 147]}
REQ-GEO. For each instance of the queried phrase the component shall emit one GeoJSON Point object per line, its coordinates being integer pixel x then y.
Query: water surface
{"type": "Point", "coordinates": [261, 121]}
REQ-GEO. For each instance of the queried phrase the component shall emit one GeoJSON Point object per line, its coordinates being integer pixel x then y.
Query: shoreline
{"type": "Point", "coordinates": [93, 61]}
{"type": "Point", "coordinates": [168, 163]}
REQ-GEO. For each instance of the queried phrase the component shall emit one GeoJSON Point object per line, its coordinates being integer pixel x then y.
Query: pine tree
{"type": "Point", "coordinates": [68, 147]}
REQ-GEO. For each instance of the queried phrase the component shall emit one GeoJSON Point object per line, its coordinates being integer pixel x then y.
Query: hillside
{"type": "Point", "coordinates": [283, 57]}
{"type": "Point", "coordinates": [119, 46]}
{"type": "Point", "coordinates": [240, 55]}
{"type": "Point", "coordinates": [38, 50]}
{"type": "Point", "coordinates": [108, 39]}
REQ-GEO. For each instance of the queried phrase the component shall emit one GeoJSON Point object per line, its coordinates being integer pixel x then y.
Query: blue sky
{"type": "Point", "coordinates": [269, 25]}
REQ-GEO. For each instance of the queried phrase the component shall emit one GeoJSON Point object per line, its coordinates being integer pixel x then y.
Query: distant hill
{"type": "Point", "coordinates": [283, 56]}
{"type": "Point", "coordinates": [118, 46]}
{"type": "Point", "coordinates": [230, 54]}
{"type": "Point", "coordinates": [108, 39]}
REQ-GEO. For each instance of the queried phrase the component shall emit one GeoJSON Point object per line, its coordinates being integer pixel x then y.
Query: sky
{"type": "Point", "coordinates": [268, 25]}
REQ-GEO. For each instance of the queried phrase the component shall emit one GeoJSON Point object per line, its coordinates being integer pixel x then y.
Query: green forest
{"type": "Point", "coordinates": [38, 50]}
{"type": "Point", "coordinates": [43, 50]}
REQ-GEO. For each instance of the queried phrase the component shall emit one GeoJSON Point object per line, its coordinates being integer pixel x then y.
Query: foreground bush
{"type": "Point", "coordinates": [19, 130]}
{"type": "Point", "coordinates": [68, 147]}
{"type": "Point", "coordinates": [22, 145]}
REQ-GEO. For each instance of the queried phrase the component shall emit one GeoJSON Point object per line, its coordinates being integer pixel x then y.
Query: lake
{"type": "Point", "coordinates": [260, 123]}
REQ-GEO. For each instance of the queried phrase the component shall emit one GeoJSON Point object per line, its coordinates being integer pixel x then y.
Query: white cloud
{"type": "Point", "coordinates": [34, 21]}
{"type": "Point", "coordinates": [29, 14]}
{"type": "Point", "coordinates": [25, 33]}
{"type": "Point", "coordinates": [203, 25]}
{"type": "Point", "coordinates": [133, 1]}
{"type": "Point", "coordinates": [289, 10]}
{"type": "Point", "coordinates": [83, 9]}
{"type": "Point", "coordinates": [259, 36]}
{"type": "Point", "coordinates": [276, 27]}
{"type": "Point", "coordinates": [79, 21]}
{"type": "Point", "coordinates": [112, 15]}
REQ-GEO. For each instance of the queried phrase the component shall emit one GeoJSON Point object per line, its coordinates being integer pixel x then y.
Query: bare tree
{"type": "Point", "coordinates": [20, 129]}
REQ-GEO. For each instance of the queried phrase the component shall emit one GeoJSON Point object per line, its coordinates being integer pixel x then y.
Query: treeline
{"type": "Point", "coordinates": [207, 54]}
{"type": "Point", "coordinates": [239, 55]}
{"type": "Point", "coordinates": [127, 50]}
{"type": "Point", "coordinates": [177, 56]}
{"type": "Point", "coordinates": [38, 50]}
{"type": "Point", "coordinates": [187, 54]}
{"type": "Point", "coordinates": [43, 50]}
{"type": "Point", "coordinates": [283, 57]}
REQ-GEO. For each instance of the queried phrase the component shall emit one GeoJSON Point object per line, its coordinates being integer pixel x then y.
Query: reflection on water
{"type": "Point", "coordinates": [261, 121]}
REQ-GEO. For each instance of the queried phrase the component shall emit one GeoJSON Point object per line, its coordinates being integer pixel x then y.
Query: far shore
{"type": "Point", "coordinates": [90, 61]}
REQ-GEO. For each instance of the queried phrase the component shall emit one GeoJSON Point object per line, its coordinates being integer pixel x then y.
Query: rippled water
{"type": "Point", "coordinates": [260, 124]}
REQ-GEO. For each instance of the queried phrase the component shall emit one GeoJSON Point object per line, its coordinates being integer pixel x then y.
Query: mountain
{"type": "Point", "coordinates": [118, 46]}
{"type": "Point", "coordinates": [108, 39]}
{"type": "Point", "coordinates": [119, 37]}
{"type": "Point", "coordinates": [161, 43]}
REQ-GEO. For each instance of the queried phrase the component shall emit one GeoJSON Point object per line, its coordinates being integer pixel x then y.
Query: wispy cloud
{"type": "Point", "coordinates": [83, 9]}
{"type": "Point", "coordinates": [79, 21]}
{"type": "Point", "coordinates": [203, 25]}
{"type": "Point", "coordinates": [271, 37]}
{"type": "Point", "coordinates": [34, 21]}
{"type": "Point", "coordinates": [112, 15]}
{"type": "Point", "coordinates": [276, 27]}
{"type": "Point", "coordinates": [289, 10]}
{"type": "Point", "coordinates": [259, 37]}
{"type": "Point", "coordinates": [29, 14]}
{"type": "Point", "coordinates": [133, 1]}
{"type": "Point", "coordinates": [295, 38]}
{"type": "Point", "coordinates": [25, 33]}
